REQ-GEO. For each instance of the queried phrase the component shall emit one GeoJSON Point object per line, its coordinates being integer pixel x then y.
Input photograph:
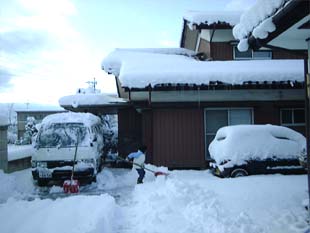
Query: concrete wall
{"type": "Point", "coordinates": [3, 148]}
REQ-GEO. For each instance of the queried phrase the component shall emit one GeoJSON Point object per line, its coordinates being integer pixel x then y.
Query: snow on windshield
{"type": "Point", "coordinates": [240, 143]}
{"type": "Point", "coordinates": [62, 135]}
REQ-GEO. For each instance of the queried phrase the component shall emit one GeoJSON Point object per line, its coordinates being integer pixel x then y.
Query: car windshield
{"type": "Point", "coordinates": [61, 135]}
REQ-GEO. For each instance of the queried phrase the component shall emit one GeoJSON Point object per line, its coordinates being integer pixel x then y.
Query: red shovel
{"type": "Point", "coordinates": [72, 186]}
{"type": "Point", "coordinates": [156, 173]}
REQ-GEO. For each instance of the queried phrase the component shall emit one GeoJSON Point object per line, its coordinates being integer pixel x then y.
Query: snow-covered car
{"type": "Point", "coordinates": [60, 137]}
{"type": "Point", "coordinates": [242, 150]}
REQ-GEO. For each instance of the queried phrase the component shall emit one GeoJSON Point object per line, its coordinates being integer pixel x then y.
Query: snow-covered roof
{"type": "Point", "coordinates": [240, 143]}
{"type": "Point", "coordinates": [3, 120]}
{"type": "Point", "coordinates": [32, 107]}
{"type": "Point", "coordinates": [113, 62]}
{"type": "Point", "coordinates": [258, 21]}
{"type": "Point", "coordinates": [89, 99]}
{"type": "Point", "coordinates": [139, 69]}
{"type": "Point", "coordinates": [211, 17]}
{"type": "Point", "coordinates": [87, 119]}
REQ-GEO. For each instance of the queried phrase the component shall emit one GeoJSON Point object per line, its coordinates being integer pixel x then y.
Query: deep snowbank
{"type": "Point", "coordinates": [74, 214]}
{"type": "Point", "coordinates": [190, 201]}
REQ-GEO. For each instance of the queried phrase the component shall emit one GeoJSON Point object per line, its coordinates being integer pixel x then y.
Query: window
{"type": "Point", "coordinates": [250, 54]}
{"type": "Point", "coordinates": [216, 118]}
{"type": "Point", "coordinates": [292, 116]}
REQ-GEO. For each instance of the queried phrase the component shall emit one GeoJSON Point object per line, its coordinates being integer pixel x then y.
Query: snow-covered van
{"type": "Point", "coordinates": [242, 150]}
{"type": "Point", "coordinates": [62, 135]}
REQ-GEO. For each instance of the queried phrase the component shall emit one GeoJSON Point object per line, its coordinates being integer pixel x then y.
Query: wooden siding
{"type": "Point", "coordinates": [178, 138]}
{"type": "Point", "coordinates": [190, 38]}
{"type": "Point", "coordinates": [204, 47]}
{"type": "Point", "coordinates": [147, 134]}
{"type": "Point", "coordinates": [221, 51]}
{"type": "Point", "coordinates": [216, 50]}
{"type": "Point", "coordinates": [129, 131]}
{"type": "Point", "coordinates": [279, 54]}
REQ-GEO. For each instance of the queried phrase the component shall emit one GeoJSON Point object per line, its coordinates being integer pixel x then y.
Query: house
{"type": "Point", "coordinates": [176, 99]}
{"type": "Point", "coordinates": [37, 113]}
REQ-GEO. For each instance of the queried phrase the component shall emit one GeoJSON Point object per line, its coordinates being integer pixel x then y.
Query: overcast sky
{"type": "Point", "coordinates": [49, 48]}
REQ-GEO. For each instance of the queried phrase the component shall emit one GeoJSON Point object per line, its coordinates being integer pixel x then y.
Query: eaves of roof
{"type": "Point", "coordinates": [221, 86]}
{"type": "Point", "coordinates": [294, 11]}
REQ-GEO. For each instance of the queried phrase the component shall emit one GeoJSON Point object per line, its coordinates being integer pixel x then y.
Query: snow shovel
{"type": "Point", "coordinates": [156, 173]}
{"type": "Point", "coordinates": [72, 186]}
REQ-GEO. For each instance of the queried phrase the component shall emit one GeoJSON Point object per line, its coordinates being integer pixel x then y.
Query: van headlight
{"type": "Point", "coordinates": [33, 164]}
{"type": "Point", "coordinates": [42, 164]}
{"type": "Point", "coordinates": [91, 161]}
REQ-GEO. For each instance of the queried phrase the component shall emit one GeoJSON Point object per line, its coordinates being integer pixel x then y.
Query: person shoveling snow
{"type": "Point", "coordinates": [138, 162]}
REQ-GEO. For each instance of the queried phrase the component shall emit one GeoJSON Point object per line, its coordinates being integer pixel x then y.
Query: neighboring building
{"type": "Point", "coordinates": [38, 114]}
{"type": "Point", "coordinates": [178, 98]}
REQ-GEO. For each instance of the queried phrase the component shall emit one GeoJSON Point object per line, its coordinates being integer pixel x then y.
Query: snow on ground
{"type": "Point", "coordinates": [19, 151]}
{"type": "Point", "coordinates": [185, 201]}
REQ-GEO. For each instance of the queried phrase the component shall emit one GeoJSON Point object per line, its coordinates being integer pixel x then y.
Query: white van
{"type": "Point", "coordinates": [59, 136]}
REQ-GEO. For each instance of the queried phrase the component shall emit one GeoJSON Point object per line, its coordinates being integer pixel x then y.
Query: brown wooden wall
{"type": "Point", "coordinates": [175, 137]}
{"type": "Point", "coordinates": [278, 54]}
{"type": "Point", "coordinates": [178, 138]}
{"type": "Point", "coordinates": [129, 131]}
{"type": "Point", "coordinates": [221, 51]}
{"type": "Point", "coordinates": [204, 47]}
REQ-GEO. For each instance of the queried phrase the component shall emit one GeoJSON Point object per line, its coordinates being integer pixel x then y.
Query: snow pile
{"type": "Point", "coordinates": [257, 19]}
{"type": "Point", "coordinates": [240, 143]}
{"type": "Point", "coordinates": [87, 119]}
{"type": "Point", "coordinates": [211, 17]}
{"type": "Point", "coordinates": [74, 214]}
{"type": "Point", "coordinates": [16, 185]}
{"type": "Point", "coordinates": [89, 99]}
{"type": "Point", "coordinates": [3, 120]}
{"type": "Point", "coordinates": [190, 201]}
{"type": "Point", "coordinates": [141, 69]}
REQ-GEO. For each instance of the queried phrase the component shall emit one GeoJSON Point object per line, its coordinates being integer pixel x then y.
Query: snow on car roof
{"type": "Point", "coordinates": [87, 119]}
{"type": "Point", "coordinates": [239, 143]}
{"type": "Point", "coordinates": [139, 69]}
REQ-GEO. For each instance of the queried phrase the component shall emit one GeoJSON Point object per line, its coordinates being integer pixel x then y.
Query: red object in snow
{"type": "Point", "coordinates": [159, 173]}
{"type": "Point", "coordinates": [71, 186]}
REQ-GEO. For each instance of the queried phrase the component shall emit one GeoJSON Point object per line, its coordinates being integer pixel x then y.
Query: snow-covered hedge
{"type": "Point", "coordinates": [241, 143]}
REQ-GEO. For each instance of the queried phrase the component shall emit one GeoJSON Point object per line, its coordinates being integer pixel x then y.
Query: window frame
{"type": "Point", "coordinates": [227, 109]}
{"type": "Point", "coordinates": [292, 116]}
{"type": "Point", "coordinates": [252, 55]}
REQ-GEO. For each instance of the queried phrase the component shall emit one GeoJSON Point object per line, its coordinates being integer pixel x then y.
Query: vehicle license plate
{"type": "Point", "coordinates": [45, 173]}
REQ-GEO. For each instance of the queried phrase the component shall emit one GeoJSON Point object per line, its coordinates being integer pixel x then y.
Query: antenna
{"type": "Point", "coordinates": [92, 84]}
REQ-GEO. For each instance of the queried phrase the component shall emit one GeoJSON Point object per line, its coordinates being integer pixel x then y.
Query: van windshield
{"type": "Point", "coordinates": [61, 135]}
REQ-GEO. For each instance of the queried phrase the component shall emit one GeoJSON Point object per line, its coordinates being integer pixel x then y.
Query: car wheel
{"type": "Point", "coordinates": [42, 182]}
{"type": "Point", "coordinates": [239, 172]}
